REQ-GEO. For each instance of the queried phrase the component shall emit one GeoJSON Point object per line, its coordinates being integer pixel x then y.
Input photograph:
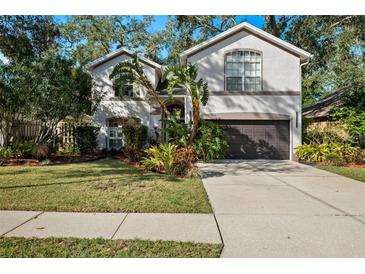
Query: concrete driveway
{"type": "Point", "coordinates": [285, 209]}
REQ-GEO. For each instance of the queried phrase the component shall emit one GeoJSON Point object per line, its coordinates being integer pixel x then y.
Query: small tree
{"type": "Point", "coordinates": [185, 77]}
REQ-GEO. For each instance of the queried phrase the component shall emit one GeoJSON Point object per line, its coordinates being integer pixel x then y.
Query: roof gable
{"type": "Point", "coordinates": [303, 55]}
{"type": "Point", "coordinates": [117, 53]}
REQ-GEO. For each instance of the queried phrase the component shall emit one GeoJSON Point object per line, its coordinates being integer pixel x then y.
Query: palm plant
{"type": "Point", "coordinates": [185, 77]}
{"type": "Point", "coordinates": [132, 72]}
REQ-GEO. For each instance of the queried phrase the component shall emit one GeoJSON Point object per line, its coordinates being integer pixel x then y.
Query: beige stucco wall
{"type": "Point", "coordinates": [115, 107]}
{"type": "Point", "coordinates": [280, 73]}
{"type": "Point", "coordinates": [108, 109]}
{"type": "Point", "coordinates": [102, 83]}
{"type": "Point", "coordinates": [285, 105]}
{"type": "Point", "coordinates": [280, 69]}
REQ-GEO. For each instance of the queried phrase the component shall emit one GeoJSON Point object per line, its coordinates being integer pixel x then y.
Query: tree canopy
{"type": "Point", "coordinates": [38, 82]}
{"type": "Point", "coordinates": [336, 42]}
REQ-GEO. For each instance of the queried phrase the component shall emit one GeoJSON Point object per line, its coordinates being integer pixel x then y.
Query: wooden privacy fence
{"type": "Point", "coordinates": [22, 132]}
{"type": "Point", "coordinates": [27, 131]}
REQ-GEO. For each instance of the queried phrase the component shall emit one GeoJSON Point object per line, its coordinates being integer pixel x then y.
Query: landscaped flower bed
{"type": "Point", "coordinates": [54, 159]}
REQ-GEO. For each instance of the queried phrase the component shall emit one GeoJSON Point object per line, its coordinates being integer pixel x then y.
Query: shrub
{"type": "Point", "coordinates": [24, 149]}
{"type": "Point", "coordinates": [6, 153]}
{"type": "Point", "coordinates": [69, 150]}
{"type": "Point", "coordinates": [354, 123]}
{"type": "Point", "coordinates": [325, 135]}
{"type": "Point", "coordinates": [135, 135]}
{"type": "Point", "coordinates": [161, 158]}
{"type": "Point", "coordinates": [86, 138]}
{"type": "Point", "coordinates": [330, 153]}
{"type": "Point", "coordinates": [40, 151]}
{"type": "Point", "coordinates": [211, 141]}
{"type": "Point", "coordinates": [177, 131]}
{"type": "Point", "coordinates": [184, 158]}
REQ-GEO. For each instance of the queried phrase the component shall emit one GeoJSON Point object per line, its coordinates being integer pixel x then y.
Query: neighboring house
{"type": "Point", "coordinates": [254, 80]}
{"type": "Point", "coordinates": [320, 112]}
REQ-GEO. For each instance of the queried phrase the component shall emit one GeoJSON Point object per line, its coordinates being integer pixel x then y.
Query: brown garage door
{"type": "Point", "coordinates": [257, 139]}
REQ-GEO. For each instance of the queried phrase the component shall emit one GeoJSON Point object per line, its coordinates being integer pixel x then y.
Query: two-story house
{"type": "Point", "coordinates": [254, 81]}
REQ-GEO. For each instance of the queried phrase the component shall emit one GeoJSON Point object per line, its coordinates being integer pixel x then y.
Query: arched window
{"type": "Point", "coordinates": [243, 70]}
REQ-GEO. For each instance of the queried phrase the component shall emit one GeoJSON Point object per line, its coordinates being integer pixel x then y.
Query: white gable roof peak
{"type": "Point", "coordinates": [118, 52]}
{"type": "Point", "coordinates": [245, 26]}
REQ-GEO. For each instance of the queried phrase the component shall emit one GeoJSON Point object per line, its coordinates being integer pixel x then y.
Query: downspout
{"type": "Point", "coordinates": [293, 157]}
{"type": "Point", "coordinates": [305, 63]}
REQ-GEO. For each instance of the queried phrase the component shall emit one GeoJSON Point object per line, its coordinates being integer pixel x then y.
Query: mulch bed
{"type": "Point", "coordinates": [54, 160]}
{"type": "Point", "coordinates": [357, 165]}
{"type": "Point", "coordinates": [125, 160]}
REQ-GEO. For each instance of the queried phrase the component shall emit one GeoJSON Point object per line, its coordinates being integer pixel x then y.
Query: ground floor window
{"type": "Point", "coordinates": [115, 132]}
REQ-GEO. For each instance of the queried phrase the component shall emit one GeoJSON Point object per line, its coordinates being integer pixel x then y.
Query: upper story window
{"type": "Point", "coordinates": [243, 70]}
{"type": "Point", "coordinates": [125, 90]}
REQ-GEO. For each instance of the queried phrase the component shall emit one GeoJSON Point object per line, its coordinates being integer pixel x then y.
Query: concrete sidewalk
{"type": "Point", "coordinates": [148, 226]}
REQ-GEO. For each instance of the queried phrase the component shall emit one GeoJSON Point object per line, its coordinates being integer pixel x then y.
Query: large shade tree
{"type": "Point", "coordinates": [87, 38]}
{"type": "Point", "coordinates": [37, 82]}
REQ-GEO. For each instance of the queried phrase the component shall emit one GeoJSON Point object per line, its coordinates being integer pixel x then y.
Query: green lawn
{"type": "Point", "coordinates": [100, 248]}
{"type": "Point", "coordinates": [105, 186]}
{"type": "Point", "coordinates": [351, 172]}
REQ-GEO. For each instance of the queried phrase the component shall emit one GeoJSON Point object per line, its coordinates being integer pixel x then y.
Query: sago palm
{"type": "Point", "coordinates": [186, 77]}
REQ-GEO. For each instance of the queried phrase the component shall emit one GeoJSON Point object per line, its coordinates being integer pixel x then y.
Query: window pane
{"type": "Point", "coordinates": [243, 70]}
{"type": "Point", "coordinates": [234, 83]}
{"type": "Point", "coordinates": [247, 57]}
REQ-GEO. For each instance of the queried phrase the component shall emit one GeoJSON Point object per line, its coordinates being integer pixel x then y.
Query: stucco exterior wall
{"type": "Point", "coordinates": [281, 73]}
{"type": "Point", "coordinates": [284, 105]}
{"type": "Point", "coordinates": [110, 109]}
{"type": "Point", "coordinates": [110, 106]}
{"type": "Point", "coordinates": [280, 69]}
{"type": "Point", "coordinates": [103, 85]}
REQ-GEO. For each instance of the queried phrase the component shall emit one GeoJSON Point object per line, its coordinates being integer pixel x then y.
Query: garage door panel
{"type": "Point", "coordinates": [257, 139]}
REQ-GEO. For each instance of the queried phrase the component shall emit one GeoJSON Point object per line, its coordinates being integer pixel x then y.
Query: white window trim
{"type": "Point", "coordinates": [243, 76]}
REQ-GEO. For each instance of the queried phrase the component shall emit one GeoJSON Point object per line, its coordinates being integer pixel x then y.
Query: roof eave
{"type": "Point", "coordinates": [115, 53]}
{"type": "Point", "coordinates": [304, 55]}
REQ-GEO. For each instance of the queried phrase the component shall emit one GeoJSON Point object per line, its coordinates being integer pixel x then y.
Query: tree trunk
{"type": "Point", "coordinates": [270, 20]}
{"type": "Point", "coordinates": [194, 130]}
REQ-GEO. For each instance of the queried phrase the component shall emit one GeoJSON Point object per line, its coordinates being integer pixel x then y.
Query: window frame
{"type": "Point", "coordinates": [243, 77]}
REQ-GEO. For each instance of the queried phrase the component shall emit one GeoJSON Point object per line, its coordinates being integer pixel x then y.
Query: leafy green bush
{"type": "Point", "coordinates": [24, 149]}
{"type": "Point", "coordinates": [211, 141]}
{"type": "Point", "coordinates": [330, 153]}
{"type": "Point", "coordinates": [135, 135]}
{"type": "Point", "coordinates": [6, 153]}
{"type": "Point", "coordinates": [86, 138]}
{"type": "Point", "coordinates": [354, 122]}
{"type": "Point", "coordinates": [161, 158]}
{"type": "Point", "coordinates": [177, 131]}
{"type": "Point", "coordinates": [69, 150]}
{"type": "Point", "coordinates": [325, 135]}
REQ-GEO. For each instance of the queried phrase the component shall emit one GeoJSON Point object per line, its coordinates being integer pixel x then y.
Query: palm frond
{"type": "Point", "coordinates": [205, 93]}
